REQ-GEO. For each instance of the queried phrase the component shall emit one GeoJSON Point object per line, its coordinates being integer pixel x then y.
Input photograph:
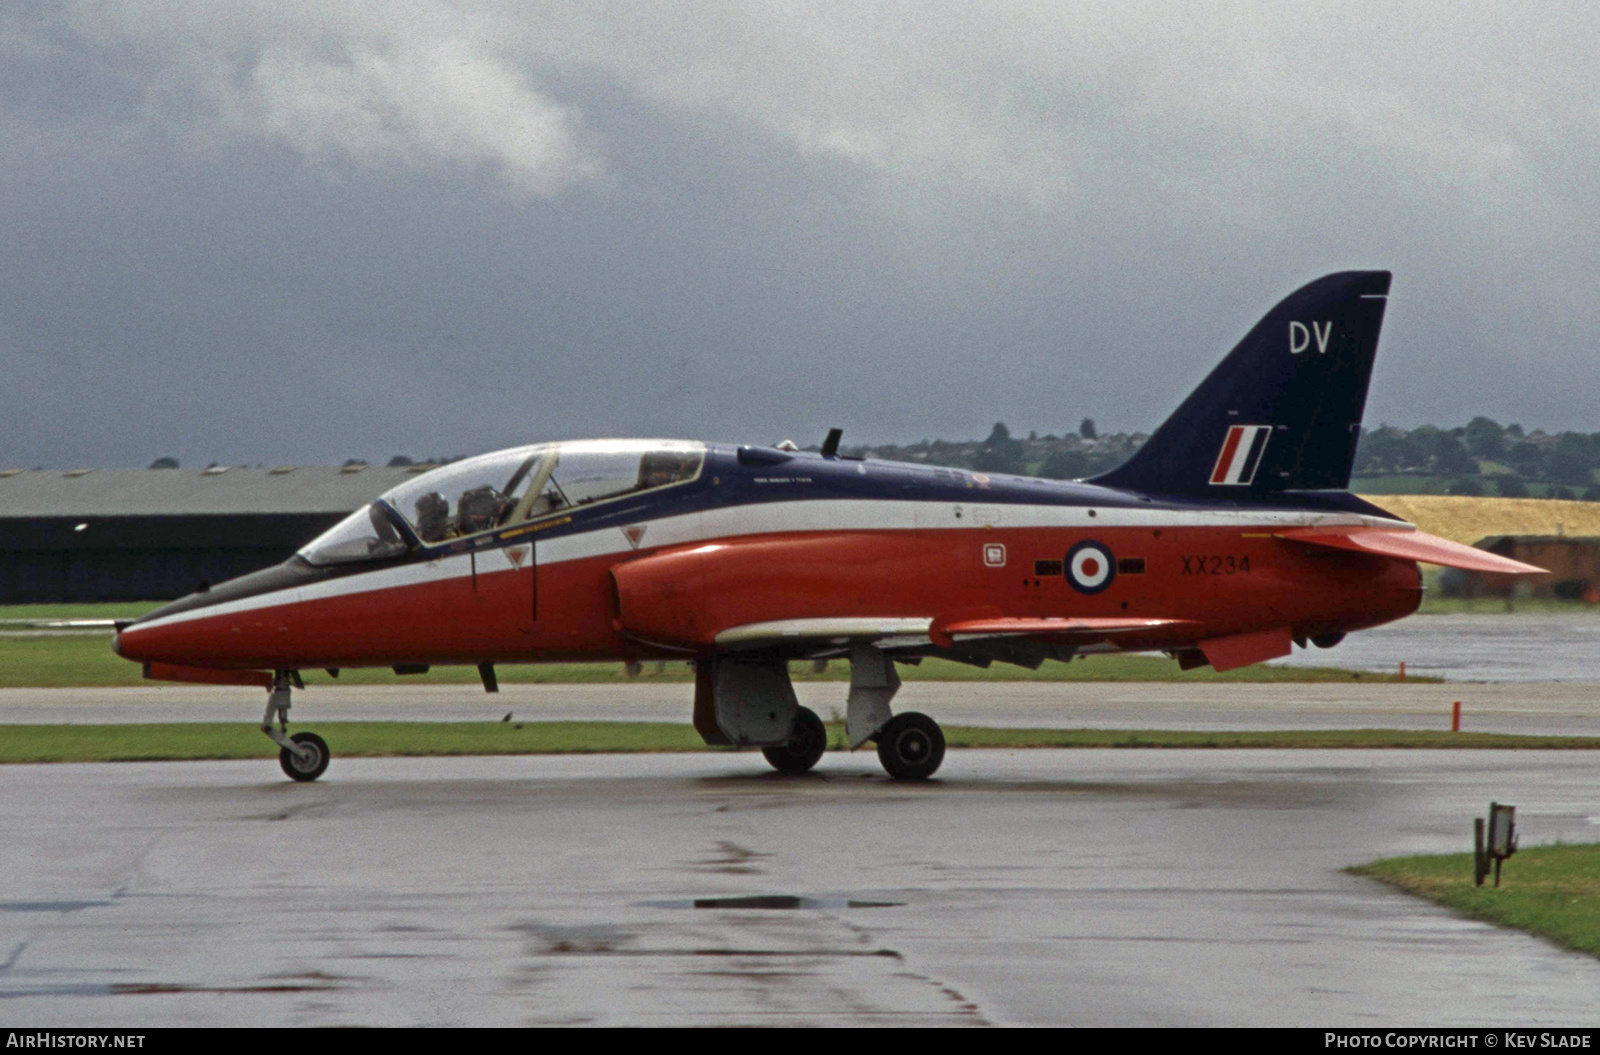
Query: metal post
{"type": "Point", "coordinates": [1478, 869]}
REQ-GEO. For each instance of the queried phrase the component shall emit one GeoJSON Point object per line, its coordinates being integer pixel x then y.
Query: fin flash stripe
{"type": "Point", "coordinates": [1240, 455]}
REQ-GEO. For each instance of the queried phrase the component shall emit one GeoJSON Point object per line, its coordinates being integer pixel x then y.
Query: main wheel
{"type": "Point", "coordinates": [911, 746]}
{"type": "Point", "coordinates": [807, 741]}
{"type": "Point", "coordinates": [305, 769]}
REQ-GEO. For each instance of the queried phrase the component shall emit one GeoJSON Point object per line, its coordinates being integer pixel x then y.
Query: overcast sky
{"type": "Point", "coordinates": [291, 232]}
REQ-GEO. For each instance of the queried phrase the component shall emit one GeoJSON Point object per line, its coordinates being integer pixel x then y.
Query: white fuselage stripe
{"type": "Point", "coordinates": [765, 518]}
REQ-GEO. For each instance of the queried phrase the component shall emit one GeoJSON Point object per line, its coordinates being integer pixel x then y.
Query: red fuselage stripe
{"type": "Point", "coordinates": [1225, 459]}
{"type": "Point", "coordinates": [1225, 580]}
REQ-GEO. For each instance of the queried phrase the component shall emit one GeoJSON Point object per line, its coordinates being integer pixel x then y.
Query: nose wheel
{"type": "Point", "coordinates": [911, 746]}
{"type": "Point", "coordinates": [309, 761]}
{"type": "Point", "coordinates": [303, 756]}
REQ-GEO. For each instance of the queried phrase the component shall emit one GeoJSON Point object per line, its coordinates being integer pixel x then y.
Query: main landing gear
{"type": "Point", "coordinates": [303, 756]}
{"type": "Point", "coordinates": [911, 746]}
{"type": "Point", "coordinates": [748, 700]}
{"type": "Point", "coordinates": [807, 741]}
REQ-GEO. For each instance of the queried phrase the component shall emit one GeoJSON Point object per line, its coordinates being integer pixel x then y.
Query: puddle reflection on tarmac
{"type": "Point", "coordinates": [1035, 887]}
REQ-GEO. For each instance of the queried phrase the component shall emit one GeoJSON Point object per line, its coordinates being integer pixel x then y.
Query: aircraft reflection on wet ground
{"type": "Point", "coordinates": [1038, 887]}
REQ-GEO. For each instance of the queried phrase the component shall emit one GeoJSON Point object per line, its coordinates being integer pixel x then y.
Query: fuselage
{"type": "Point", "coordinates": [731, 537]}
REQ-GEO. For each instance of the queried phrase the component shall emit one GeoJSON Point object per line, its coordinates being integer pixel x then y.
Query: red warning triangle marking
{"type": "Point", "coordinates": [634, 533]}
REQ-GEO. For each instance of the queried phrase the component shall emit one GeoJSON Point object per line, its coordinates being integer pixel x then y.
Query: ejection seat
{"type": "Point", "coordinates": [433, 517]}
{"type": "Point", "coordinates": [481, 509]}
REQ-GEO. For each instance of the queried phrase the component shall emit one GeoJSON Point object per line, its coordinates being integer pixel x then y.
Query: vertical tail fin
{"type": "Point", "coordinates": [1283, 411]}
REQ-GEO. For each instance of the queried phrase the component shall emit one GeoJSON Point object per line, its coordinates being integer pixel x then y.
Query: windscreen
{"type": "Point", "coordinates": [367, 534]}
{"type": "Point", "coordinates": [492, 490]}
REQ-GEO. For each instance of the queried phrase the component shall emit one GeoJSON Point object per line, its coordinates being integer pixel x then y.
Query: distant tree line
{"type": "Point", "coordinates": [1482, 457]}
{"type": "Point", "coordinates": [1069, 456]}
{"type": "Point", "coordinates": [1485, 457]}
{"type": "Point", "coordinates": [398, 461]}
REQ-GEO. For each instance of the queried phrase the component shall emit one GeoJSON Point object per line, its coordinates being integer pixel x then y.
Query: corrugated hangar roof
{"type": "Point", "coordinates": [218, 491]}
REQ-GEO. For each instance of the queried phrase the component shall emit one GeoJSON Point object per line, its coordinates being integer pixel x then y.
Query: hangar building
{"type": "Point", "coordinates": [156, 534]}
{"type": "Point", "coordinates": [1572, 560]}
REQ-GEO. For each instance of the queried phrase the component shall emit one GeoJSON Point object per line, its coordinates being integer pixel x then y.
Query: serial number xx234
{"type": "Point", "coordinates": [1216, 564]}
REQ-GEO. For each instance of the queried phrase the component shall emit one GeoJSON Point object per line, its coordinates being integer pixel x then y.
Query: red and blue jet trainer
{"type": "Point", "coordinates": [1229, 537]}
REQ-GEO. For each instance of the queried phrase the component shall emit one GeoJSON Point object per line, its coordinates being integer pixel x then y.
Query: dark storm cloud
{"type": "Point", "coordinates": [269, 232]}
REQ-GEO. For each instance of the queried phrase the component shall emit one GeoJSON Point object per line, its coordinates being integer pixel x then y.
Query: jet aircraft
{"type": "Point", "coordinates": [1228, 538]}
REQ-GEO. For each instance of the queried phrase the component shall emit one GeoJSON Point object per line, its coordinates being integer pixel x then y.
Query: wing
{"type": "Point", "coordinates": [63, 624]}
{"type": "Point", "coordinates": [1065, 631]}
{"type": "Point", "coordinates": [1407, 544]}
{"type": "Point", "coordinates": [970, 639]}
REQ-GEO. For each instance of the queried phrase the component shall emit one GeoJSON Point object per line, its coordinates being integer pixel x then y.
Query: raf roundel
{"type": "Point", "coordinates": [1090, 567]}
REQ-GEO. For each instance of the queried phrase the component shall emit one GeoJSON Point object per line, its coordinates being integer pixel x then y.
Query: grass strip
{"type": "Point", "coordinates": [98, 610]}
{"type": "Point", "coordinates": [193, 741]}
{"type": "Point", "coordinates": [1551, 891]}
{"type": "Point", "coordinates": [79, 660]}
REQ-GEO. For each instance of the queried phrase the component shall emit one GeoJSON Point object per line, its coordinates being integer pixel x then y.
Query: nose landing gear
{"type": "Point", "coordinates": [303, 756]}
{"type": "Point", "coordinates": [308, 760]}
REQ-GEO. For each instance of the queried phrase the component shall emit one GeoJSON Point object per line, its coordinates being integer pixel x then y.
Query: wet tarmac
{"type": "Point", "coordinates": [1513, 647]}
{"type": "Point", "coordinates": [1034, 887]}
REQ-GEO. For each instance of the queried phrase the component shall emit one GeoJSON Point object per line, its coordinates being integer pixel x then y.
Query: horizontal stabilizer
{"type": "Point", "coordinates": [1410, 545]}
{"type": "Point", "coordinates": [1075, 630]}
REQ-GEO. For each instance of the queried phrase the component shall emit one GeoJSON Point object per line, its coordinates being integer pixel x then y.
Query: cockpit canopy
{"type": "Point", "coordinates": [507, 487]}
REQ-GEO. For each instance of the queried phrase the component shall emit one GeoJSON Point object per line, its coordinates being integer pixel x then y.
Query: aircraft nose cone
{"type": "Point", "coordinates": [133, 643]}
{"type": "Point", "coordinates": [142, 642]}
{"type": "Point", "coordinates": [203, 636]}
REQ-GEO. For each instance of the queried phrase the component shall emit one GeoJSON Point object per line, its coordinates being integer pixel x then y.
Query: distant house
{"type": "Point", "coordinates": [155, 534]}
{"type": "Point", "coordinates": [1573, 562]}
